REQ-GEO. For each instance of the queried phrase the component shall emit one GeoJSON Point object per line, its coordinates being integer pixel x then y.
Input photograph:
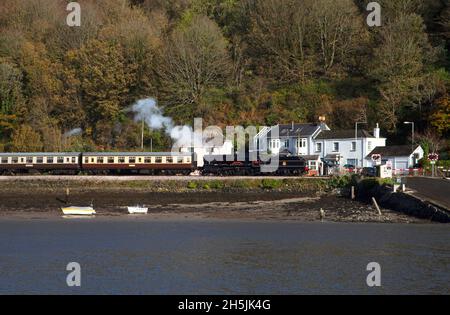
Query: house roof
{"type": "Point", "coordinates": [394, 150]}
{"type": "Point", "coordinates": [302, 130]}
{"type": "Point", "coordinates": [343, 134]}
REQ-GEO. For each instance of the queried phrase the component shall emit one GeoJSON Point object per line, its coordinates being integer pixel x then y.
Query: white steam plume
{"type": "Point", "coordinates": [148, 111]}
{"type": "Point", "coordinates": [73, 132]}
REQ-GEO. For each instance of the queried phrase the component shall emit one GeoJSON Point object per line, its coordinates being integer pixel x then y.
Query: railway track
{"type": "Point", "coordinates": [137, 178]}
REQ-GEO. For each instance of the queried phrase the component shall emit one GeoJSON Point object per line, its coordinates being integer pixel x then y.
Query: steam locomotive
{"type": "Point", "coordinates": [149, 163]}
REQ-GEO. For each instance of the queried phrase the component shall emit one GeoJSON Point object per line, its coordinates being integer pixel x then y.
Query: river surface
{"type": "Point", "coordinates": [218, 257]}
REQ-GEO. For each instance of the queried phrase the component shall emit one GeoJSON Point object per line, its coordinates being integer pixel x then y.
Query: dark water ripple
{"type": "Point", "coordinates": [145, 257]}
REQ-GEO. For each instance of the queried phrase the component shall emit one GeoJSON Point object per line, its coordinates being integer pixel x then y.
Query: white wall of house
{"type": "Point", "coordinates": [400, 163]}
{"type": "Point", "coordinates": [352, 151]}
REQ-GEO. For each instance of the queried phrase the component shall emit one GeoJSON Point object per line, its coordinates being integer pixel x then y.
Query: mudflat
{"type": "Point", "coordinates": [42, 201]}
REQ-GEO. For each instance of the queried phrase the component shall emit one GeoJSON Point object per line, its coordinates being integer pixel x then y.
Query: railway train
{"type": "Point", "coordinates": [150, 163]}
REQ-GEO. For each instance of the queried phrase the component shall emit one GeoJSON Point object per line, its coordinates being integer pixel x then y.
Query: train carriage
{"type": "Point", "coordinates": [40, 162]}
{"type": "Point", "coordinates": [138, 162]}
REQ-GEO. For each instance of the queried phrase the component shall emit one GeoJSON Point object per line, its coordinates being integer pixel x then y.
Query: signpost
{"type": "Point", "coordinates": [376, 158]}
{"type": "Point", "coordinates": [433, 157]}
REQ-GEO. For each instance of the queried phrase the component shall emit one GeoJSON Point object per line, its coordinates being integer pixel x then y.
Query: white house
{"type": "Point", "coordinates": [318, 143]}
{"type": "Point", "coordinates": [401, 157]}
{"type": "Point", "coordinates": [297, 139]}
{"type": "Point", "coordinates": [343, 147]}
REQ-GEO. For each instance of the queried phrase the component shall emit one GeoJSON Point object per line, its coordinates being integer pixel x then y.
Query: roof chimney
{"type": "Point", "coordinates": [376, 131]}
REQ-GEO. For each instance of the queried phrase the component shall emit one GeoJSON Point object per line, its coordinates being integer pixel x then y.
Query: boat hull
{"type": "Point", "coordinates": [137, 210]}
{"type": "Point", "coordinates": [78, 211]}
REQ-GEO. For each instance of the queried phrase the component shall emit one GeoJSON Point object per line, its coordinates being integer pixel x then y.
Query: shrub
{"type": "Point", "coordinates": [192, 185]}
{"type": "Point", "coordinates": [216, 184]}
{"type": "Point", "coordinates": [269, 183]}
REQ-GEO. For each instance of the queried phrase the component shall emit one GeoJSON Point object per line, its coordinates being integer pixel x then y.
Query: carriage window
{"type": "Point", "coordinates": [180, 160]}
{"type": "Point", "coordinates": [4, 160]}
{"type": "Point", "coordinates": [92, 160]}
{"type": "Point", "coordinates": [40, 160]}
{"type": "Point", "coordinates": [169, 159]}
{"type": "Point", "coordinates": [121, 159]}
{"type": "Point", "coordinates": [15, 160]}
{"type": "Point", "coordinates": [132, 160]}
{"type": "Point", "coordinates": [140, 160]}
{"type": "Point", "coordinates": [49, 159]}
{"type": "Point", "coordinates": [110, 160]}
{"type": "Point", "coordinates": [60, 160]}
{"type": "Point", "coordinates": [148, 160]}
{"type": "Point", "coordinates": [158, 159]}
{"type": "Point", "coordinates": [100, 160]}
{"type": "Point", "coordinates": [188, 160]}
{"type": "Point", "coordinates": [86, 160]}
{"type": "Point", "coordinates": [29, 160]}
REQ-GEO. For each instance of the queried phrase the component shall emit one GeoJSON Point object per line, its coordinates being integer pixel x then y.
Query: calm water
{"type": "Point", "coordinates": [147, 257]}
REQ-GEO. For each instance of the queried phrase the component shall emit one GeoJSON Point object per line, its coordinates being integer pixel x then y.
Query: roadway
{"type": "Point", "coordinates": [434, 190]}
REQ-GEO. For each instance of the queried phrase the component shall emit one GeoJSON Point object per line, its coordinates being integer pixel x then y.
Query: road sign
{"type": "Point", "coordinates": [433, 157]}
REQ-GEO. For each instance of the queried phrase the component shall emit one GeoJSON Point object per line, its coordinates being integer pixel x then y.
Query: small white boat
{"type": "Point", "coordinates": [78, 211]}
{"type": "Point", "coordinates": [137, 210]}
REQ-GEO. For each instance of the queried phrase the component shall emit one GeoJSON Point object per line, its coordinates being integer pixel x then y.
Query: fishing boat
{"type": "Point", "coordinates": [78, 211]}
{"type": "Point", "coordinates": [137, 210]}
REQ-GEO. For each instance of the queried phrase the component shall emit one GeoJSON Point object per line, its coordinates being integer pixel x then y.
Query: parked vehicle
{"type": "Point", "coordinates": [369, 172]}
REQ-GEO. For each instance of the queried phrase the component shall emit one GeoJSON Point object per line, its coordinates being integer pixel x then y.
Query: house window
{"type": "Point", "coordinates": [275, 144]}
{"type": "Point", "coordinates": [313, 165]}
{"type": "Point", "coordinates": [369, 145]}
{"type": "Point", "coordinates": [335, 146]}
{"type": "Point", "coordinates": [318, 147]}
{"type": "Point", "coordinates": [301, 143]}
{"type": "Point", "coordinates": [353, 146]}
{"type": "Point", "coordinates": [286, 143]}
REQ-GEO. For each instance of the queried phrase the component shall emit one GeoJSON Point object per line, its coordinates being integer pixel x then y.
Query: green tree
{"type": "Point", "coordinates": [25, 139]}
{"type": "Point", "coordinates": [195, 59]}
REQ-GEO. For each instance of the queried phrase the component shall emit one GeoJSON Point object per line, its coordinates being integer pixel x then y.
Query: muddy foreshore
{"type": "Point", "coordinates": [44, 199]}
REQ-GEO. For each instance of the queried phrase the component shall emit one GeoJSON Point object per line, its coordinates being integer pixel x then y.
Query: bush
{"type": "Point", "coordinates": [268, 183]}
{"type": "Point", "coordinates": [216, 184]}
{"type": "Point", "coordinates": [192, 185]}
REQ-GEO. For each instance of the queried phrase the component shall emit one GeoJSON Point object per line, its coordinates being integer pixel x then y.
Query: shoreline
{"type": "Point", "coordinates": [273, 209]}
{"type": "Point", "coordinates": [229, 198]}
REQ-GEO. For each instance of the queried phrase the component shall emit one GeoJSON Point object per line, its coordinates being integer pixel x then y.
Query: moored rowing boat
{"type": "Point", "coordinates": [78, 210]}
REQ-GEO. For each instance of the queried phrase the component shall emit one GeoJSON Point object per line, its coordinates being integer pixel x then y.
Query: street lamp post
{"type": "Point", "coordinates": [356, 140]}
{"type": "Point", "coordinates": [412, 133]}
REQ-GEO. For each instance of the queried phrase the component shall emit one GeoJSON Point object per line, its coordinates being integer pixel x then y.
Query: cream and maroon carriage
{"type": "Point", "coordinates": [52, 162]}
{"type": "Point", "coordinates": [138, 163]}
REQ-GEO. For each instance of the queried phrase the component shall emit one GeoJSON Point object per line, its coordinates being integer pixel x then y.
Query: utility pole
{"type": "Point", "coordinates": [142, 135]}
{"type": "Point", "coordinates": [356, 141]}
{"type": "Point", "coordinates": [412, 133]}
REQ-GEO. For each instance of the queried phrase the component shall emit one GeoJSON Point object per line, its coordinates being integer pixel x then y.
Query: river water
{"type": "Point", "coordinates": [217, 257]}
